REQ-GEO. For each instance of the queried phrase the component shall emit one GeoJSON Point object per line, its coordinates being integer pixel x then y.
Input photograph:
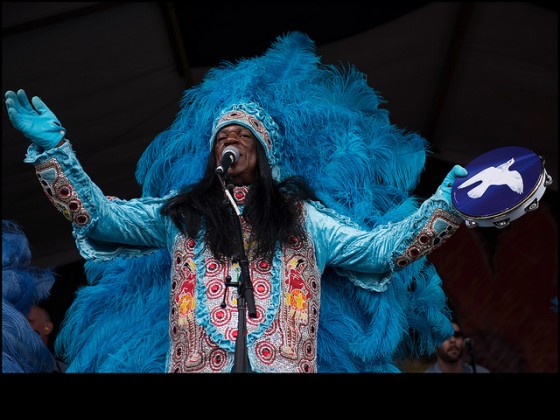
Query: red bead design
{"type": "Point", "coordinates": [240, 194]}
{"type": "Point", "coordinates": [402, 263]}
{"type": "Point", "coordinates": [261, 287]}
{"type": "Point", "coordinates": [218, 359]}
{"type": "Point", "coordinates": [230, 333]}
{"type": "Point", "coordinates": [215, 288]}
{"type": "Point", "coordinates": [264, 265]}
{"type": "Point", "coordinates": [213, 267]}
{"type": "Point", "coordinates": [60, 192]}
{"type": "Point", "coordinates": [265, 351]}
{"type": "Point", "coordinates": [295, 243]}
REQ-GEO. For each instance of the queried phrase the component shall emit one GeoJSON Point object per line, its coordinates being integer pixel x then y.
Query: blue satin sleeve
{"type": "Point", "coordinates": [104, 227]}
{"type": "Point", "coordinates": [369, 258]}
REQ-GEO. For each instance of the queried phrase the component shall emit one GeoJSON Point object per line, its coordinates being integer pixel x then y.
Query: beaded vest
{"type": "Point", "coordinates": [204, 315]}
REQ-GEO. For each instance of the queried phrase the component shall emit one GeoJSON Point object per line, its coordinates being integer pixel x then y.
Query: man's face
{"type": "Point", "coordinates": [40, 322]}
{"type": "Point", "coordinates": [241, 172]}
{"type": "Point", "coordinates": [452, 349]}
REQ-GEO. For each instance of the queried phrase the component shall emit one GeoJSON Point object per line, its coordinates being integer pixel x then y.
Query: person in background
{"type": "Point", "coordinates": [40, 320]}
{"type": "Point", "coordinates": [450, 355]}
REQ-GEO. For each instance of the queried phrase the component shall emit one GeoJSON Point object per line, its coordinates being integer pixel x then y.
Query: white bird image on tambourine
{"type": "Point", "coordinates": [501, 186]}
{"type": "Point", "coordinates": [494, 175]}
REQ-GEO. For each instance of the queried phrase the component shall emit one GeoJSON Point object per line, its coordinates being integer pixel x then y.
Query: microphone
{"type": "Point", "coordinates": [230, 155]}
{"type": "Point", "coordinates": [468, 343]}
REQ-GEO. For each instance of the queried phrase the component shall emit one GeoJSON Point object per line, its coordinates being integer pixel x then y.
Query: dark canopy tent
{"type": "Point", "coordinates": [469, 77]}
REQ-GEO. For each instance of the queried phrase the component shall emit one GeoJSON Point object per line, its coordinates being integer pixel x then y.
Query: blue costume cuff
{"type": "Point", "coordinates": [57, 186]}
{"type": "Point", "coordinates": [440, 226]}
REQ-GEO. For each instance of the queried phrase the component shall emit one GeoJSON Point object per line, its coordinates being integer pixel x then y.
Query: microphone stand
{"type": "Point", "coordinates": [470, 347]}
{"type": "Point", "coordinates": [245, 296]}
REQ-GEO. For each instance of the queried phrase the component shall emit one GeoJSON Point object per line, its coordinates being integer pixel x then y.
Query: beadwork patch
{"type": "Point", "coordinates": [435, 232]}
{"type": "Point", "coordinates": [61, 192]}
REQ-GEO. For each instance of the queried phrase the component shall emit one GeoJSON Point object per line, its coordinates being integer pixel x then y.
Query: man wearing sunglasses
{"type": "Point", "coordinates": [450, 355]}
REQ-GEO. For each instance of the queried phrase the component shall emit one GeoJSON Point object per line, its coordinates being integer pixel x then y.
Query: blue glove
{"type": "Point", "coordinates": [445, 187]}
{"type": "Point", "coordinates": [38, 124]}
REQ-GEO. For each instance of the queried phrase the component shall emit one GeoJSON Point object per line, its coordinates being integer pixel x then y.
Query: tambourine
{"type": "Point", "coordinates": [501, 186]}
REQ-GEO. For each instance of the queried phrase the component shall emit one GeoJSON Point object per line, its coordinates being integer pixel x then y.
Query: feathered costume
{"type": "Point", "coordinates": [23, 285]}
{"type": "Point", "coordinates": [334, 134]}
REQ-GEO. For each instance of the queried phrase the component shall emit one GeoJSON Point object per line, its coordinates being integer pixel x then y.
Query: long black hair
{"type": "Point", "coordinates": [271, 209]}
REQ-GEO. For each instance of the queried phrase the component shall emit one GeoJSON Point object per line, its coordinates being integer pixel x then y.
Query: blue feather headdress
{"type": "Point", "coordinates": [328, 128]}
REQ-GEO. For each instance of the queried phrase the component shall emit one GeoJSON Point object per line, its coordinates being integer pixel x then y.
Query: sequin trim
{"type": "Point", "coordinates": [435, 232]}
{"type": "Point", "coordinates": [61, 192]}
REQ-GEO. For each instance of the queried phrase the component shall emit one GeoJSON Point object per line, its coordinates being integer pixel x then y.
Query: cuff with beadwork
{"type": "Point", "coordinates": [433, 234]}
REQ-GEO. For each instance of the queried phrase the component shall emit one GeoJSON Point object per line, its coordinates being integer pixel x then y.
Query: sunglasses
{"type": "Point", "coordinates": [457, 334]}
